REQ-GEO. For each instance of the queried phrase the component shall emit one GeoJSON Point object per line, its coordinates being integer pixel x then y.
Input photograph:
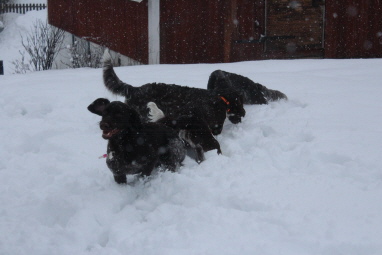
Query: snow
{"type": "Point", "coordinates": [15, 26]}
{"type": "Point", "coordinates": [302, 176]}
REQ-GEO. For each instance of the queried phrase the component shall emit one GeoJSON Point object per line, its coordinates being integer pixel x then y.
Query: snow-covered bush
{"type": "Point", "coordinates": [22, 65]}
{"type": "Point", "coordinates": [84, 54]}
{"type": "Point", "coordinates": [42, 45]}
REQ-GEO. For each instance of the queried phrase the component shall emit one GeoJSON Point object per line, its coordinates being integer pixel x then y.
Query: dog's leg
{"type": "Point", "coordinates": [195, 152]}
{"type": "Point", "coordinates": [148, 165]}
{"type": "Point", "coordinates": [199, 154]}
{"type": "Point", "coordinates": [120, 179]}
{"type": "Point", "coordinates": [217, 129]}
{"type": "Point", "coordinates": [175, 155]}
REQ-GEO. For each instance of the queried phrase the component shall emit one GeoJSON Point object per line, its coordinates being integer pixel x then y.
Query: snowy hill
{"type": "Point", "coordinates": [296, 177]}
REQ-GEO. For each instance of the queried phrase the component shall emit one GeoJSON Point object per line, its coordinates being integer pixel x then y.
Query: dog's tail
{"type": "Point", "coordinates": [274, 95]}
{"type": "Point", "coordinates": [155, 113]}
{"type": "Point", "coordinates": [110, 78]}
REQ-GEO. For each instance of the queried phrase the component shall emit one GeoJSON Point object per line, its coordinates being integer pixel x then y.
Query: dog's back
{"type": "Point", "coordinates": [173, 99]}
{"type": "Point", "coordinates": [252, 92]}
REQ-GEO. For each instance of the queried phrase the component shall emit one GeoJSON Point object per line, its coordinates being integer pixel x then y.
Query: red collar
{"type": "Point", "coordinates": [226, 102]}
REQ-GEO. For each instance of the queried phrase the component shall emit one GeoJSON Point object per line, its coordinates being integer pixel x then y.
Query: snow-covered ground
{"type": "Point", "coordinates": [302, 176]}
{"type": "Point", "coordinates": [296, 177]}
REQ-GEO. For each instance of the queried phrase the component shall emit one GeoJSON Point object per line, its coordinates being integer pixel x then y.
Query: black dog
{"type": "Point", "coordinates": [192, 129]}
{"type": "Point", "coordinates": [135, 147]}
{"type": "Point", "coordinates": [253, 93]}
{"type": "Point", "coordinates": [215, 105]}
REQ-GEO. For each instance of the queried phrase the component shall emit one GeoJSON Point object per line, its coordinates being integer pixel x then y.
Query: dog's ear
{"type": "Point", "coordinates": [98, 106]}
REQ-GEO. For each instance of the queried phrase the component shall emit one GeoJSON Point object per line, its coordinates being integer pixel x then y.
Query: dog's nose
{"type": "Point", "coordinates": [104, 125]}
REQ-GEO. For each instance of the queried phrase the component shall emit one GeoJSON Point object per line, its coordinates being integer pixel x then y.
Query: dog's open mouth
{"type": "Point", "coordinates": [107, 134]}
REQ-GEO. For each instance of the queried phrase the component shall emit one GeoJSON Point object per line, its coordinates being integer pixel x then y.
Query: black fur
{"type": "Point", "coordinates": [253, 93]}
{"type": "Point", "coordinates": [192, 129]}
{"type": "Point", "coordinates": [174, 99]}
{"type": "Point", "coordinates": [135, 147]}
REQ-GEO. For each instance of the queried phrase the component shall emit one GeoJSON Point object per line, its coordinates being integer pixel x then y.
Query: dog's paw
{"type": "Point", "coordinates": [155, 113]}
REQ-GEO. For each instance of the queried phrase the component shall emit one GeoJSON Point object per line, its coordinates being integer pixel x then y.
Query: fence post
{"type": "Point", "coordinates": [1, 67]}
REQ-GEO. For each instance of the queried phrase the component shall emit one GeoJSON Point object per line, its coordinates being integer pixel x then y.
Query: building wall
{"type": "Point", "coordinates": [294, 28]}
{"type": "Point", "coordinates": [233, 30]}
{"type": "Point", "coordinates": [248, 30]}
{"type": "Point", "coordinates": [353, 29]}
{"type": "Point", "coordinates": [120, 25]}
{"type": "Point", "coordinates": [192, 31]}
{"type": "Point", "coordinates": [213, 31]}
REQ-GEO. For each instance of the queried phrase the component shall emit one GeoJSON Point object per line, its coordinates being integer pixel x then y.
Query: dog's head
{"type": "Point", "coordinates": [117, 117]}
{"type": "Point", "coordinates": [234, 103]}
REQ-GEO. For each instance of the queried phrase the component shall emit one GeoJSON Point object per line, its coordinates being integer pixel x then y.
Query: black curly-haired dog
{"type": "Point", "coordinates": [135, 147]}
{"type": "Point", "coordinates": [252, 92]}
{"type": "Point", "coordinates": [192, 129]}
{"type": "Point", "coordinates": [215, 105]}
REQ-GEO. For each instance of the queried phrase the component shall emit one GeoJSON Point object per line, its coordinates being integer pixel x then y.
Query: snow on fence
{"type": "Point", "coordinates": [21, 8]}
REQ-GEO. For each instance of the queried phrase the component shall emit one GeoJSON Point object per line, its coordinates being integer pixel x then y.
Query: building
{"type": "Point", "coordinates": [214, 31]}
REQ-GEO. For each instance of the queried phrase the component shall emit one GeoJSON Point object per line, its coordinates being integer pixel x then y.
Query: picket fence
{"type": "Point", "coordinates": [20, 8]}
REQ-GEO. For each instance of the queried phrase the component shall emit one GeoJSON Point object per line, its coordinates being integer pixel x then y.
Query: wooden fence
{"type": "Point", "coordinates": [21, 8]}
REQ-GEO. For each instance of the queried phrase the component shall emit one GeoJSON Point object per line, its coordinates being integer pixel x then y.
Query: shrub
{"type": "Point", "coordinates": [42, 45]}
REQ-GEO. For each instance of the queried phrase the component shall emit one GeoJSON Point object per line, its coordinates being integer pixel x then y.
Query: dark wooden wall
{"type": "Point", "coordinates": [294, 29]}
{"type": "Point", "coordinates": [215, 31]}
{"type": "Point", "coordinates": [248, 29]}
{"type": "Point", "coordinates": [353, 29]}
{"type": "Point", "coordinates": [192, 31]}
{"type": "Point", "coordinates": [118, 24]}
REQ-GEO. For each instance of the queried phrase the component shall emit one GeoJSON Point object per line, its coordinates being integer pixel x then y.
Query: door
{"type": "Point", "coordinates": [294, 29]}
{"type": "Point", "coordinates": [248, 30]}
